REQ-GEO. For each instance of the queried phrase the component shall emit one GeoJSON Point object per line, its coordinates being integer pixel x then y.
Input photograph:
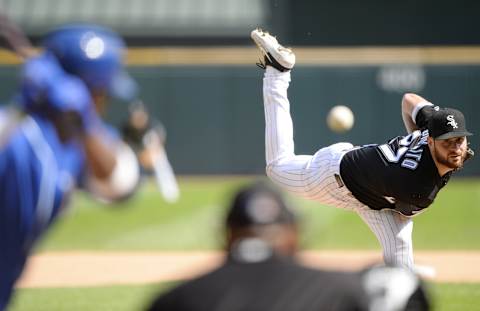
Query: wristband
{"type": "Point", "coordinates": [417, 108]}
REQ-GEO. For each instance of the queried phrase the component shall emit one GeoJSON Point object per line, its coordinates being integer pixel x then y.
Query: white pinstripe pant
{"type": "Point", "coordinates": [313, 177]}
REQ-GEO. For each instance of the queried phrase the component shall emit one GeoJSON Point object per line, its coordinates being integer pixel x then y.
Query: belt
{"type": "Point", "coordinates": [341, 184]}
{"type": "Point", "coordinates": [339, 180]}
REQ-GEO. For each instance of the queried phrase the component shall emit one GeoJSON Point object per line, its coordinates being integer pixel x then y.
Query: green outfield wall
{"type": "Point", "coordinates": [214, 114]}
{"type": "Point", "coordinates": [374, 22]}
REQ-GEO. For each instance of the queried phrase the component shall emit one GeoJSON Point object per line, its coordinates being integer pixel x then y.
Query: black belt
{"type": "Point", "coordinates": [339, 180]}
{"type": "Point", "coordinates": [341, 184]}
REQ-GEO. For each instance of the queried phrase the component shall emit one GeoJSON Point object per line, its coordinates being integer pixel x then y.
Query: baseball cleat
{"type": "Point", "coordinates": [275, 55]}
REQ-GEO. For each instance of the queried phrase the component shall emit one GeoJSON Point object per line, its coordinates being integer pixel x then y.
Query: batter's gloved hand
{"type": "Point", "coordinates": [140, 130]}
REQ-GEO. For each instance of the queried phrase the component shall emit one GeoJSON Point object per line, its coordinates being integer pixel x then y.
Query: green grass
{"type": "Point", "coordinates": [446, 297]}
{"type": "Point", "coordinates": [452, 222]}
{"type": "Point", "coordinates": [146, 222]}
{"type": "Point", "coordinates": [112, 298]}
{"type": "Point", "coordinates": [452, 297]}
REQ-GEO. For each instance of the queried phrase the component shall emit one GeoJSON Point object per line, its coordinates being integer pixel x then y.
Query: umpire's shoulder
{"type": "Point", "coordinates": [184, 296]}
{"type": "Point", "coordinates": [171, 299]}
{"type": "Point", "coordinates": [345, 290]}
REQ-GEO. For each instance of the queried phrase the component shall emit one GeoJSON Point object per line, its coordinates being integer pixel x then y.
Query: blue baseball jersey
{"type": "Point", "coordinates": [37, 174]}
{"type": "Point", "coordinates": [38, 167]}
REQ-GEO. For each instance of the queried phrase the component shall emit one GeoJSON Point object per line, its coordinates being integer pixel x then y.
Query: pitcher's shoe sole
{"type": "Point", "coordinates": [275, 54]}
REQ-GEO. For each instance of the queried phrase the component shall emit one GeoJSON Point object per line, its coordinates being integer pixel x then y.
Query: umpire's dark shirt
{"type": "Point", "coordinates": [277, 284]}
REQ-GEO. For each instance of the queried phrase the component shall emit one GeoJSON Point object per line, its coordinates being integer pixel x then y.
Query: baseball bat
{"type": "Point", "coordinates": [15, 38]}
{"type": "Point", "coordinates": [162, 169]}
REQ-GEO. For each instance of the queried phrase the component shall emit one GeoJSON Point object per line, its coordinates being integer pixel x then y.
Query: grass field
{"type": "Point", "coordinates": [194, 223]}
{"type": "Point", "coordinates": [126, 298]}
{"type": "Point", "coordinates": [147, 223]}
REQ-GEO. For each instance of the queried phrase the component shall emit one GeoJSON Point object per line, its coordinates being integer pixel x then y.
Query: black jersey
{"type": "Point", "coordinates": [276, 284]}
{"type": "Point", "coordinates": [399, 175]}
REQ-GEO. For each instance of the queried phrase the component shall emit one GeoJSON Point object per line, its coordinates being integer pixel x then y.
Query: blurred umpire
{"type": "Point", "coordinates": [53, 140]}
{"type": "Point", "coordinates": [260, 271]}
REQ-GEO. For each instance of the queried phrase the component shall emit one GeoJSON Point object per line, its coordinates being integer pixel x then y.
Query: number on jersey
{"type": "Point", "coordinates": [406, 150]}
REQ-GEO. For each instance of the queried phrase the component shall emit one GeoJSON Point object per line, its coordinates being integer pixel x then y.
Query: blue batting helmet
{"type": "Point", "coordinates": [46, 88]}
{"type": "Point", "coordinates": [95, 54]}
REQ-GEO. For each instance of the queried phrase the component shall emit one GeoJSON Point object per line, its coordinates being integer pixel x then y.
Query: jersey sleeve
{"type": "Point", "coordinates": [423, 115]}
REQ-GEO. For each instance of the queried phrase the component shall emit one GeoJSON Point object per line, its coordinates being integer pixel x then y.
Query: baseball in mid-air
{"type": "Point", "coordinates": [340, 119]}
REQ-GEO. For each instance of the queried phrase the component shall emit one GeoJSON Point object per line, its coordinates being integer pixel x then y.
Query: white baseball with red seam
{"type": "Point", "coordinates": [340, 119]}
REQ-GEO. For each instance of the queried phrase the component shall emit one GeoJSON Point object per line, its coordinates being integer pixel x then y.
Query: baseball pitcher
{"type": "Point", "coordinates": [385, 184]}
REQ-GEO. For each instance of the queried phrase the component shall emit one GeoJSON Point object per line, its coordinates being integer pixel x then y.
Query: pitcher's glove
{"type": "Point", "coordinates": [470, 154]}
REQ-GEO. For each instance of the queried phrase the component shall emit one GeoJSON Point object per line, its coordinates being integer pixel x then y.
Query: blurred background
{"type": "Point", "coordinates": [195, 64]}
{"type": "Point", "coordinates": [194, 61]}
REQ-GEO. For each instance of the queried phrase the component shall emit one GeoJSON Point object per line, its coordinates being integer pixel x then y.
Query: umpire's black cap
{"type": "Point", "coordinates": [447, 123]}
{"type": "Point", "coordinates": [259, 204]}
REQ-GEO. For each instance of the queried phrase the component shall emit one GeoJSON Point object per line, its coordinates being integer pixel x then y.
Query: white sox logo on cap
{"type": "Point", "coordinates": [451, 121]}
{"type": "Point", "coordinates": [447, 123]}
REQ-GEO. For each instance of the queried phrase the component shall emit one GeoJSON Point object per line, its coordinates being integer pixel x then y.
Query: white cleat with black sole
{"type": "Point", "coordinates": [275, 55]}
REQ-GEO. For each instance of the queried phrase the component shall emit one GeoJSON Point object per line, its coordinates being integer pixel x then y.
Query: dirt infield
{"type": "Point", "coordinates": [76, 269]}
